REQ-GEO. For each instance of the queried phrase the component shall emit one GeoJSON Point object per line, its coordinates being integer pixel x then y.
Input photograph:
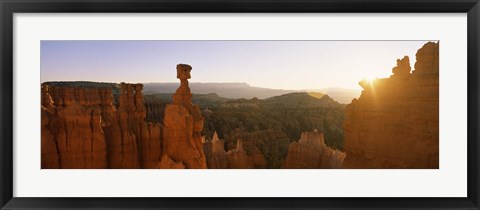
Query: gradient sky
{"type": "Point", "coordinates": [270, 64]}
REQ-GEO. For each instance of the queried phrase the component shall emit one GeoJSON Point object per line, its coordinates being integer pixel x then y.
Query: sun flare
{"type": "Point", "coordinates": [369, 79]}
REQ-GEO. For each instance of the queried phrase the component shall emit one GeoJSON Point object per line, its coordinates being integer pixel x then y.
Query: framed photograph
{"type": "Point", "coordinates": [239, 105]}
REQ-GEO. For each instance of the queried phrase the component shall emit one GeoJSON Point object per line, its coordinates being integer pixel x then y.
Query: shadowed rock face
{"type": "Point", "coordinates": [238, 158]}
{"type": "Point", "coordinates": [310, 152]}
{"type": "Point", "coordinates": [215, 153]}
{"type": "Point", "coordinates": [82, 128]}
{"type": "Point", "coordinates": [394, 123]}
{"type": "Point", "coordinates": [183, 123]}
{"type": "Point", "coordinates": [402, 70]}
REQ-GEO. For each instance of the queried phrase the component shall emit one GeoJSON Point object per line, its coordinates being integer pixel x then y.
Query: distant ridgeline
{"type": "Point", "coordinates": [244, 90]}
{"type": "Point", "coordinates": [270, 124]}
{"type": "Point", "coordinates": [393, 124]}
{"type": "Point", "coordinates": [83, 84]}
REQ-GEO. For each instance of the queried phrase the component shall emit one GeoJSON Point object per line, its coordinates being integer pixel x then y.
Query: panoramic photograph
{"type": "Point", "coordinates": [221, 104]}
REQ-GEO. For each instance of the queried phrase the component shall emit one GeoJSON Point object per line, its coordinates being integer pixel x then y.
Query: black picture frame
{"type": "Point", "coordinates": [9, 7]}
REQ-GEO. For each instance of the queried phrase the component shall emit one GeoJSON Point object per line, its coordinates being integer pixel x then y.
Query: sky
{"type": "Point", "coordinates": [292, 65]}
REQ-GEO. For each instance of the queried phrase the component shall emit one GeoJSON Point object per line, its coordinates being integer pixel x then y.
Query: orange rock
{"type": "Point", "coordinates": [310, 152]}
{"type": "Point", "coordinates": [394, 123]}
{"type": "Point", "coordinates": [402, 70]}
{"type": "Point", "coordinates": [238, 158]}
{"type": "Point", "coordinates": [255, 157]}
{"type": "Point", "coordinates": [151, 144]}
{"type": "Point", "coordinates": [49, 148]}
{"type": "Point", "coordinates": [168, 163]}
{"type": "Point", "coordinates": [82, 128]}
{"type": "Point", "coordinates": [72, 129]}
{"type": "Point", "coordinates": [183, 123]}
{"type": "Point", "coordinates": [215, 153]}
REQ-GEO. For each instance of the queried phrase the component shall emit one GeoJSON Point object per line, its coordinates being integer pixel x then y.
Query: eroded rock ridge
{"type": "Point", "coordinates": [89, 127]}
{"type": "Point", "coordinates": [394, 123]}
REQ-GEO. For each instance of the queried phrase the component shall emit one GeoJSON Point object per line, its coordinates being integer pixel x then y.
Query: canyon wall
{"type": "Point", "coordinates": [394, 123]}
{"type": "Point", "coordinates": [310, 152]}
{"type": "Point", "coordinates": [82, 128]}
{"type": "Point", "coordinates": [92, 127]}
{"type": "Point", "coordinates": [132, 143]}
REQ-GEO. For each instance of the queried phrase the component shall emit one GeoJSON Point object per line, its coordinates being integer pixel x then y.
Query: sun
{"type": "Point", "coordinates": [369, 79]}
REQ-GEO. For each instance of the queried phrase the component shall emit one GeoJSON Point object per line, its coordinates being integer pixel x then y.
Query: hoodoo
{"type": "Point", "coordinates": [93, 126]}
{"type": "Point", "coordinates": [183, 123]}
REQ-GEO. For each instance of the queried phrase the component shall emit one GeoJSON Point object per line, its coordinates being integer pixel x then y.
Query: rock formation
{"type": "Point", "coordinates": [394, 123]}
{"type": "Point", "coordinates": [49, 146]}
{"type": "Point", "coordinates": [255, 157]}
{"type": "Point", "coordinates": [82, 128]}
{"type": "Point", "coordinates": [183, 123]}
{"type": "Point", "coordinates": [72, 135]}
{"type": "Point", "coordinates": [215, 153]}
{"type": "Point", "coordinates": [94, 127]}
{"type": "Point", "coordinates": [402, 70]}
{"type": "Point", "coordinates": [310, 152]}
{"type": "Point", "coordinates": [168, 163]}
{"type": "Point", "coordinates": [238, 158]}
{"type": "Point", "coordinates": [124, 130]}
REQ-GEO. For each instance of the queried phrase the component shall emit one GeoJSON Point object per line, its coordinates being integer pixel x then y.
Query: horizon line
{"type": "Point", "coordinates": [143, 83]}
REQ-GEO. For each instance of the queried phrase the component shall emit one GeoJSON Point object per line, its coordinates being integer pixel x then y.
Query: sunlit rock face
{"type": "Point", "coordinates": [394, 123]}
{"type": "Point", "coordinates": [90, 127]}
{"type": "Point", "coordinates": [72, 135]}
{"type": "Point", "coordinates": [310, 152]}
{"type": "Point", "coordinates": [183, 123]}
{"type": "Point", "coordinates": [82, 128]}
{"type": "Point", "coordinates": [124, 130]}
